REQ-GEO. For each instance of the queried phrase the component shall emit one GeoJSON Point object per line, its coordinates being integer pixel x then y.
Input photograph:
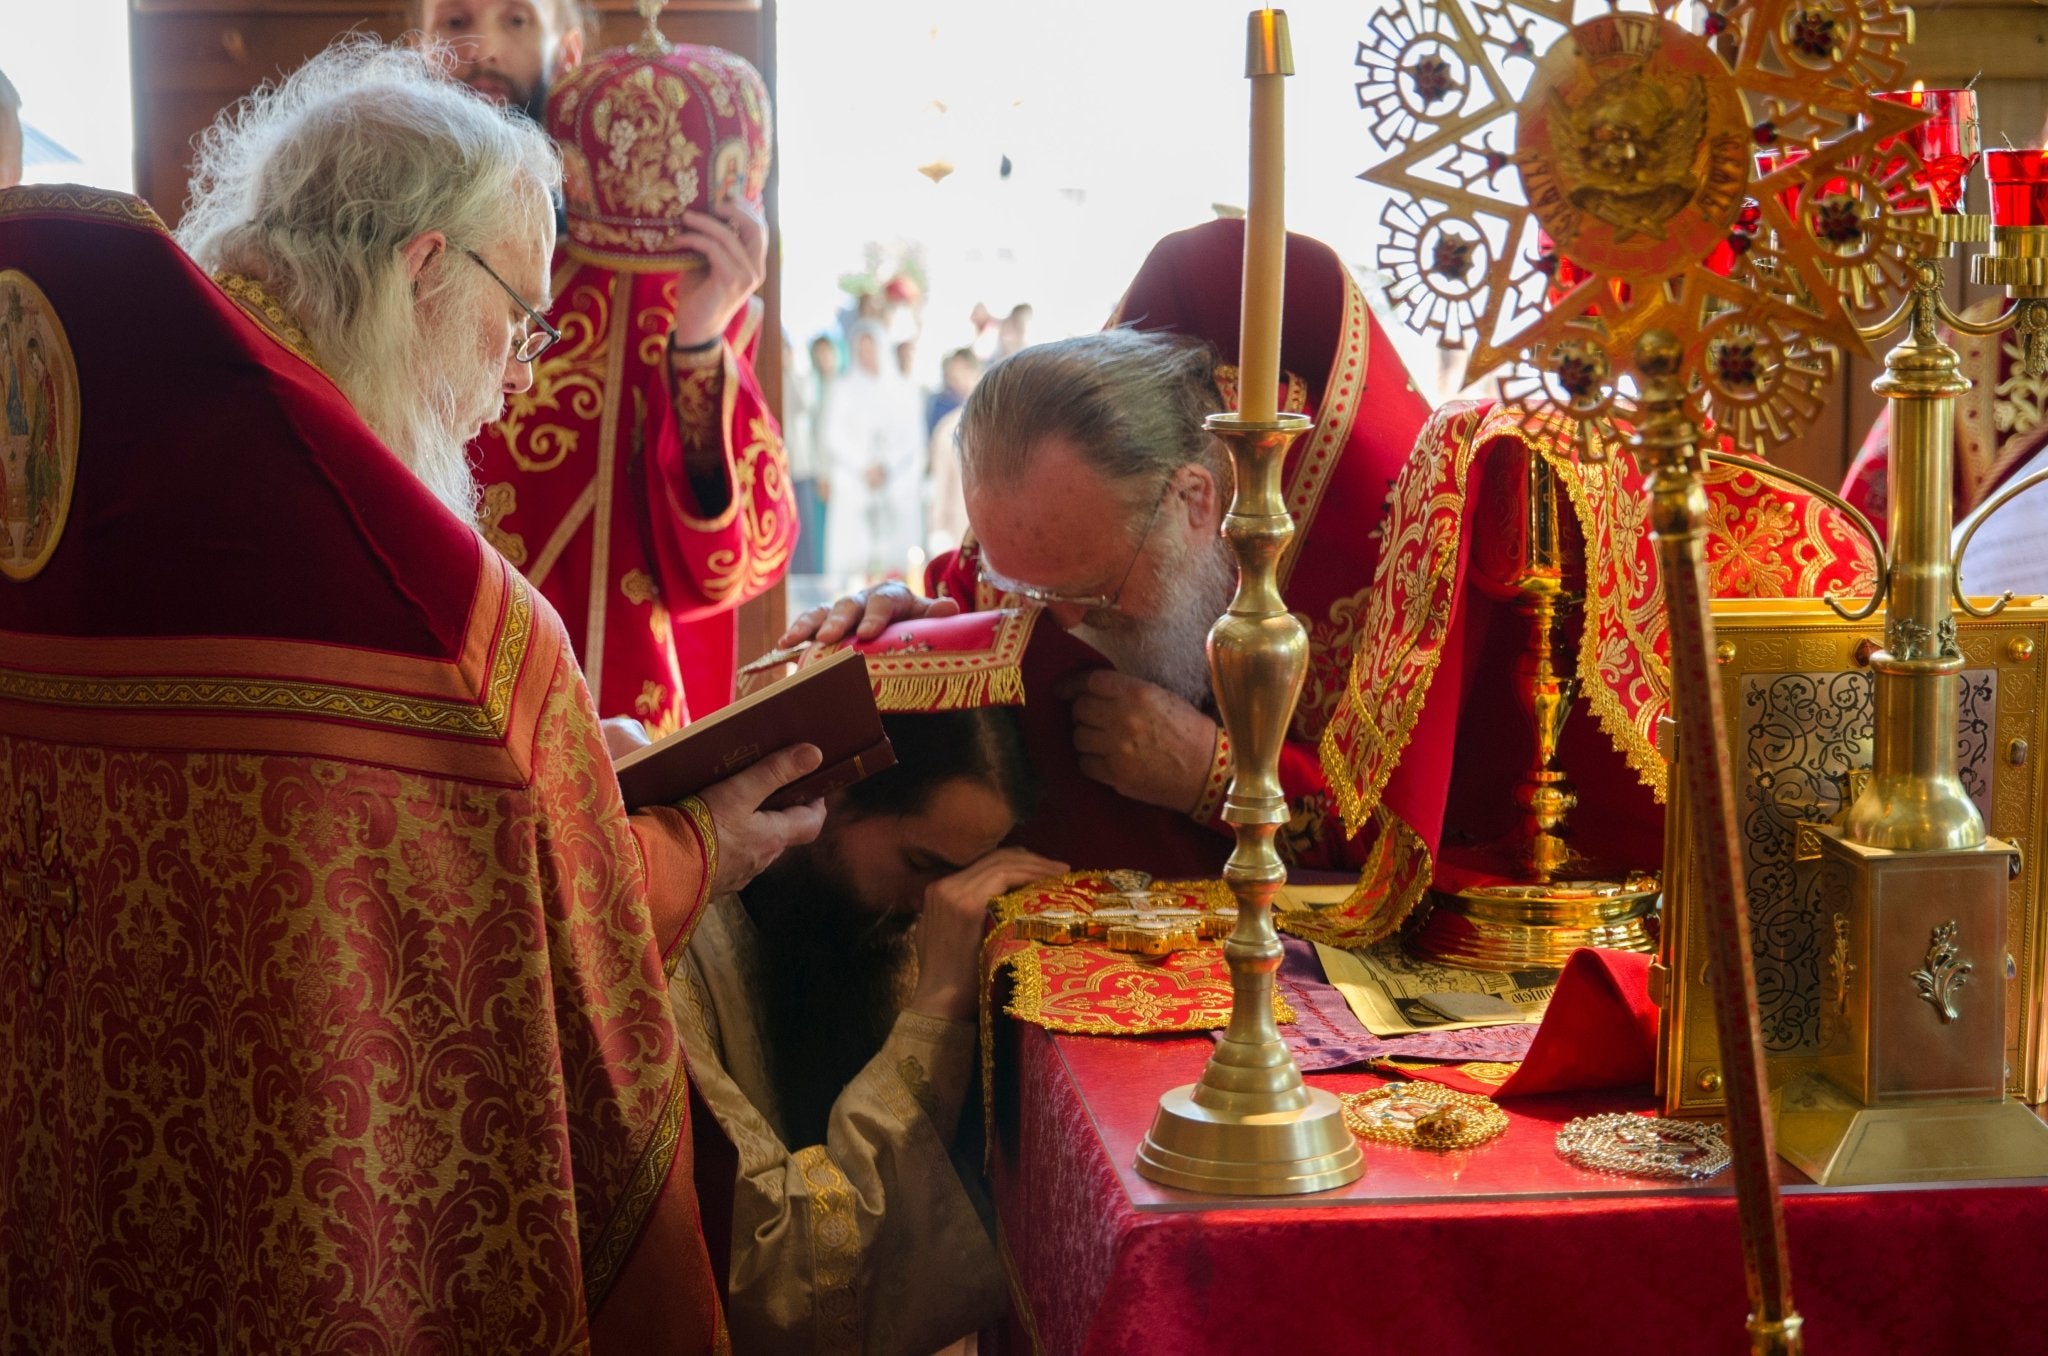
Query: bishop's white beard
{"type": "Point", "coordinates": [1169, 650]}
{"type": "Point", "coordinates": [421, 378]}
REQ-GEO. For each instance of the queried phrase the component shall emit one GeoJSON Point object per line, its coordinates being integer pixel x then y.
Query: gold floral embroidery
{"type": "Point", "coordinates": [638, 586]}
{"type": "Point", "coordinates": [267, 311]}
{"type": "Point", "coordinates": [500, 501]}
{"type": "Point", "coordinates": [835, 1237]}
{"type": "Point", "coordinates": [911, 1070]}
{"type": "Point", "coordinates": [653, 699]}
{"type": "Point", "coordinates": [569, 380]}
{"type": "Point", "coordinates": [645, 170]}
{"type": "Point", "coordinates": [698, 397]}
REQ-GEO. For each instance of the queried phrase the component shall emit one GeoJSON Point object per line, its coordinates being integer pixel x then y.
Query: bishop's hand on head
{"type": "Point", "coordinates": [863, 615]}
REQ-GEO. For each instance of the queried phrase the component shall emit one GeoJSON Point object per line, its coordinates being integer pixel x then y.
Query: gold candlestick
{"type": "Point", "coordinates": [1553, 900]}
{"type": "Point", "coordinates": [1251, 1126]}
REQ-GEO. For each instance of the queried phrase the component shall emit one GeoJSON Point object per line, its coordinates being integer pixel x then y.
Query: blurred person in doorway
{"type": "Point", "coordinates": [875, 456]}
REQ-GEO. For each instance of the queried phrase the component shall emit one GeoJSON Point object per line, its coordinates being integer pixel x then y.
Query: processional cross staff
{"type": "Point", "coordinates": [1632, 151]}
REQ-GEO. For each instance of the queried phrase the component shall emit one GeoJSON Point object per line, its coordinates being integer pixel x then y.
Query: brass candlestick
{"type": "Point", "coordinates": [1553, 900]}
{"type": "Point", "coordinates": [1912, 1082]}
{"type": "Point", "coordinates": [1250, 1126]}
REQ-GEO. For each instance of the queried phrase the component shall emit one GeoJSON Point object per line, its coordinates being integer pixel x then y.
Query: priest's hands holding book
{"type": "Point", "coordinates": [951, 924]}
{"type": "Point", "coordinates": [749, 837]}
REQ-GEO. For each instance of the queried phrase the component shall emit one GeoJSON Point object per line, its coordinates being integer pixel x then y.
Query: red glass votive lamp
{"type": "Point", "coordinates": [2019, 186]}
{"type": "Point", "coordinates": [1948, 142]}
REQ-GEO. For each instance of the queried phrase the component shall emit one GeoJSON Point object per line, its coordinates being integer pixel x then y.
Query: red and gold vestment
{"type": "Point", "coordinates": [646, 492]}
{"type": "Point", "coordinates": [1427, 735]}
{"type": "Point", "coordinates": [333, 1001]}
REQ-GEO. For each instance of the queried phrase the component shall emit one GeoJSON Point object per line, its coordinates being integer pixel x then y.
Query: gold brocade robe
{"type": "Point", "coordinates": [868, 1242]}
{"type": "Point", "coordinates": [646, 496]}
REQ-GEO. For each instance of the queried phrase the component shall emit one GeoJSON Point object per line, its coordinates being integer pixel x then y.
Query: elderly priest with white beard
{"type": "Point", "coordinates": [333, 1004]}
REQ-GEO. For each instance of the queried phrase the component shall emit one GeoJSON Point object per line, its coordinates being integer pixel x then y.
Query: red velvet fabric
{"type": "Point", "coordinates": [1600, 1030]}
{"type": "Point", "coordinates": [1502, 1249]}
{"type": "Point", "coordinates": [289, 536]}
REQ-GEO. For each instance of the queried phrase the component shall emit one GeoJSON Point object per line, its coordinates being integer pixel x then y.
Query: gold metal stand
{"type": "Point", "coordinates": [1553, 900]}
{"type": "Point", "coordinates": [1913, 1057]}
{"type": "Point", "coordinates": [1251, 1126]}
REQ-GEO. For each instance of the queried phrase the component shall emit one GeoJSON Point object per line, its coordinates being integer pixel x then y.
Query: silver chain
{"type": "Point", "coordinates": [1645, 1146]}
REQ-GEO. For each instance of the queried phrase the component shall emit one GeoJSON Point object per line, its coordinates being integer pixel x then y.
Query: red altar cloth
{"type": "Point", "coordinates": [1506, 1248]}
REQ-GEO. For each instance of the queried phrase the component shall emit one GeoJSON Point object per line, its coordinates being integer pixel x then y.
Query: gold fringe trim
{"type": "Point", "coordinates": [928, 692]}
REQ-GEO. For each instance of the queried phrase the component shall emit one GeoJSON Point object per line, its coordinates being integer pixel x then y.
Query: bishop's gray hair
{"type": "Point", "coordinates": [314, 185]}
{"type": "Point", "coordinates": [1131, 403]}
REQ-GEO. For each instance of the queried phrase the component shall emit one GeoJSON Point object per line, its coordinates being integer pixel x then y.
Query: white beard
{"type": "Point", "coordinates": [427, 391]}
{"type": "Point", "coordinates": [1170, 650]}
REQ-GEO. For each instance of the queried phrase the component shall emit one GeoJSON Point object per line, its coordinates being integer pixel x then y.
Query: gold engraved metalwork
{"type": "Point", "coordinates": [1423, 1115]}
{"type": "Point", "coordinates": [1838, 967]}
{"type": "Point", "coordinates": [1631, 152]}
{"type": "Point", "coordinates": [1634, 150]}
{"type": "Point", "coordinates": [1945, 972]}
{"type": "Point", "coordinates": [39, 418]}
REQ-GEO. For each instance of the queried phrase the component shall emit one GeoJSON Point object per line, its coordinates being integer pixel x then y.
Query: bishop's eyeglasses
{"type": "Point", "coordinates": [538, 339]}
{"type": "Point", "coordinates": [1094, 602]}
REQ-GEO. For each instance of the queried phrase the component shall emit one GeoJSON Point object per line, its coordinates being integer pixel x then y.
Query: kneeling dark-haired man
{"type": "Point", "coordinates": [829, 1013]}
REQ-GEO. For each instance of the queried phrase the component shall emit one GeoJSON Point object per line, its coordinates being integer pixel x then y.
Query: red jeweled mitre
{"type": "Point", "coordinates": [648, 132]}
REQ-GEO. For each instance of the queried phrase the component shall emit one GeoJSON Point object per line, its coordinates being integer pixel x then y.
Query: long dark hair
{"type": "Point", "coordinates": [985, 744]}
{"type": "Point", "coordinates": [832, 977]}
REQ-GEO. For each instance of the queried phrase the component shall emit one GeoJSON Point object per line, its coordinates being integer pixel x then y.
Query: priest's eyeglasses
{"type": "Point", "coordinates": [536, 340]}
{"type": "Point", "coordinates": [1094, 602]}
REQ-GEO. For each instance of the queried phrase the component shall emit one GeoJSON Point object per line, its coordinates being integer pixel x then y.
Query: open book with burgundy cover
{"type": "Point", "coordinates": [829, 704]}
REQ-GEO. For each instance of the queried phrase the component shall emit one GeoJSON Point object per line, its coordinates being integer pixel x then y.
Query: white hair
{"type": "Point", "coordinates": [314, 186]}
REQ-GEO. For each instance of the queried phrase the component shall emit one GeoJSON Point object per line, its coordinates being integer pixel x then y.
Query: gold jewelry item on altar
{"type": "Point", "coordinates": [1645, 1146]}
{"type": "Point", "coordinates": [1152, 937]}
{"type": "Point", "coordinates": [1421, 1115]}
{"type": "Point", "coordinates": [1054, 927]}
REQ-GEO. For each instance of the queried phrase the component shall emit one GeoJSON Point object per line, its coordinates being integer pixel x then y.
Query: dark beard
{"type": "Point", "coordinates": [830, 985]}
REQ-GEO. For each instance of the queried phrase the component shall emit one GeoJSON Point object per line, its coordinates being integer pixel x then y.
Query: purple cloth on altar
{"type": "Point", "coordinates": [1327, 1035]}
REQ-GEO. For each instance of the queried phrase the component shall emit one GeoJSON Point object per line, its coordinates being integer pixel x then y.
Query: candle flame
{"type": "Point", "coordinates": [1919, 92]}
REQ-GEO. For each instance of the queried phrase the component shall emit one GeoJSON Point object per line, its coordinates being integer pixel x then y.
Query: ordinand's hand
{"type": "Point", "coordinates": [864, 614]}
{"type": "Point", "coordinates": [1139, 739]}
{"type": "Point", "coordinates": [949, 930]}
{"type": "Point", "coordinates": [734, 242]}
{"type": "Point", "coordinates": [750, 837]}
